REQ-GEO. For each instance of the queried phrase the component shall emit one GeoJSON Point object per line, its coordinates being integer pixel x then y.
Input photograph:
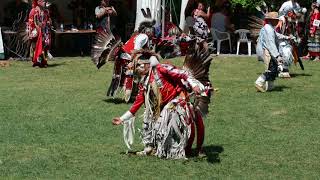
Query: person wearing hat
{"type": "Point", "coordinates": [39, 24]}
{"type": "Point", "coordinates": [165, 126]}
{"type": "Point", "coordinates": [268, 52]}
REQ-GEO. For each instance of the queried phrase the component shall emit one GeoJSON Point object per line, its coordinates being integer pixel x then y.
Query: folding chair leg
{"type": "Point", "coordinates": [218, 47]}
{"type": "Point", "coordinates": [238, 46]}
{"type": "Point", "coordinates": [230, 46]}
{"type": "Point", "coordinates": [249, 48]}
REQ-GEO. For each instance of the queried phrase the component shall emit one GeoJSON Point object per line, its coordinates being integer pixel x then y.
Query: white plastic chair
{"type": "Point", "coordinates": [243, 38]}
{"type": "Point", "coordinates": [219, 37]}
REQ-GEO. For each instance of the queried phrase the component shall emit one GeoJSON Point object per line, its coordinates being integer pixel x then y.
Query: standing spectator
{"type": "Point", "coordinates": [200, 26]}
{"type": "Point", "coordinates": [103, 13]}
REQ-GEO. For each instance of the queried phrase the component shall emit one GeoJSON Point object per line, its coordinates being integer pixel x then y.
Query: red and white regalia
{"type": "Point", "coordinates": [314, 35]}
{"type": "Point", "coordinates": [169, 116]}
{"type": "Point", "coordinates": [39, 33]}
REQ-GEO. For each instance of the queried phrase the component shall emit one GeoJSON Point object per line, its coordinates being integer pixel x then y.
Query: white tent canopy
{"type": "Point", "coordinates": [156, 10]}
{"type": "Point", "coordinates": [155, 7]}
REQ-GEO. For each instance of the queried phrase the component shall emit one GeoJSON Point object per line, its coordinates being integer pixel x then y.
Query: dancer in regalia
{"type": "Point", "coordinates": [39, 24]}
{"type": "Point", "coordinates": [314, 33]}
{"type": "Point", "coordinates": [290, 24]}
{"type": "Point", "coordinates": [268, 52]}
{"type": "Point", "coordinates": [107, 48]}
{"type": "Point", "coordinates": [170, 115]}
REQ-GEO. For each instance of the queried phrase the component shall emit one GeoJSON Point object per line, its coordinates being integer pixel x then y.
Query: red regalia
{"type": "Point", "coordinates": [39, 33]}
{"type": "Point", "coordinates": [170, 116]}
{"type": "Point", "coordinates": [314, 36]}
{"type": "Point", "coordinates": [171, 85]}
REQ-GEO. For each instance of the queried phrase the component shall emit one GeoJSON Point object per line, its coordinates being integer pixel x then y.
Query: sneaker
{"type": "Point", "coordinates": [147, 151]}
{"type": "Point", "coordinates": [260, 88]}
{"type": "Point", "coordinates": [284, 75]}
{"type": "Point", "coordinates": [202, 154]}
{"type": "Point", "coordinates": [316, 59]}
{"type": "Point", "coordinates": [141, 153]}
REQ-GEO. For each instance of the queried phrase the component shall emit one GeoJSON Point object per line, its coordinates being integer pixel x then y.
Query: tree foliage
{"type": "Point", "coordinates": [251, 4]}
{"type": "Point", "coordinates": [246, 3]}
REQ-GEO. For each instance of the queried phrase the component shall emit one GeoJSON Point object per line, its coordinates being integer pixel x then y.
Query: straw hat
{"type": "Point", "coordinates": [272, 15]}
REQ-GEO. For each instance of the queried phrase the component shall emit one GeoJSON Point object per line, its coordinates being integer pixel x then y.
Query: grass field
{"type": "Point", "coordinates": [55, 123]}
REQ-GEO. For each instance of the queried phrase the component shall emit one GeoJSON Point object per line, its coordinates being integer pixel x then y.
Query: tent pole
{"type": "Point", "coordinates": [182, 15]}
{"type": "Point", "coordinates": [163, 17]}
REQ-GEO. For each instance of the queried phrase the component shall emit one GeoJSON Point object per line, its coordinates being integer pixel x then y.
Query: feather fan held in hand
{"type": "Point", "coordinates": [104, 48]}
{"type": "Point", "coordinates": [19, 43]}
{"type": "Point", "coordinates": [255, 25]}
{"type": "Point", "coordinates": [197, 62]}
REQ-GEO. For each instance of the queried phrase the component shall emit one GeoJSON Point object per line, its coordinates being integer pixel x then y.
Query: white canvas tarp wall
{"type": "Point", "coordinates": [155, 7]}
{"type": "Point", "coordinates": [1, 46]}
{"type": "Point", "coordinates": [182, 17]}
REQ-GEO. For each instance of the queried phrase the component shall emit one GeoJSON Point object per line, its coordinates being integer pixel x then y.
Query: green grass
{"type": "Point", "coordinates": [55, 123]}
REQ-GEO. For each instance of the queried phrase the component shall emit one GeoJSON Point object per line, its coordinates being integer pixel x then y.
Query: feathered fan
{"type": "Point", "coordinates": [103, 49]}
{"type": "Point", "coordinates": [197, 62]}
{"type": "Point", "coordinates": [19, 43]}
{"type": "Point", "coordinates": [255, 25]}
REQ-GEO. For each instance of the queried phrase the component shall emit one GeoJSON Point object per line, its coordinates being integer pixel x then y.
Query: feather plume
{"type": "Point", "coordinates": [19, 43]}
{"type": "Point", "coordinates": [146, 13]}
{"type": "Point", "coordinates": [197, 62]}
{"type": "Point", "coordinates": [104, 48]}
{"type": "Point", "coordinates": [255, 25]}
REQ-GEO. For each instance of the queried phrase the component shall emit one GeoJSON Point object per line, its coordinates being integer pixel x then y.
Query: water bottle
{"type": "Point", "coordinates": [61, 27]}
